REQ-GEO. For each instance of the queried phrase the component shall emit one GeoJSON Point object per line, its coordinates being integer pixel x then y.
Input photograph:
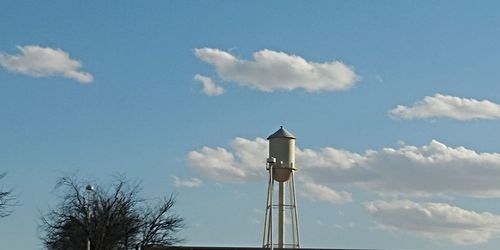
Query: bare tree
{"type": "Point", "coordinates": [110, 218]}
{"type": "Point", "coordinates": [158, 226]}
{"type": "Point", "coordinates": [7, 200]}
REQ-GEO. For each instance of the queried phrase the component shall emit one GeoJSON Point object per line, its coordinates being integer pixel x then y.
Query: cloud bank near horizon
{"type": "Point", "coordinates": [414, 171]}
{"type": "Point", "coordinates": [434, 169]}
{"type": "Point", "coordinates": [423, 171]}
{"type": "Point", "coordinates": [439, 221]}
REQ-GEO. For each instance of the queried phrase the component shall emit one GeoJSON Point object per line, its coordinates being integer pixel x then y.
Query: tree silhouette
{"type": "Point", "coordinates": [7, 200]}
{"type": "Point", "coordinates": [111, 218]}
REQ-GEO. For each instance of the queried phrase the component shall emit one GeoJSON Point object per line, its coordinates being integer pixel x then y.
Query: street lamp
{"type": "Point", "coordinates": [89, 190]}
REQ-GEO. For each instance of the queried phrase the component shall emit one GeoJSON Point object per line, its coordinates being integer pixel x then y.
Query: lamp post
{"type": "Point", "coordinates": [89, 190]}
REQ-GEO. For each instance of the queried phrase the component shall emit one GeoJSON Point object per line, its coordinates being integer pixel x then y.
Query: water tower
{"type": "Point", "coordinates": [281, 167]}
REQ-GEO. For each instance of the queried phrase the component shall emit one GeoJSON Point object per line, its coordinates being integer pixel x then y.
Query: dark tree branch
{"type": "Point", "coordinates": [117, 218]}
{"type": "Point", "coordinates": [7, 200]}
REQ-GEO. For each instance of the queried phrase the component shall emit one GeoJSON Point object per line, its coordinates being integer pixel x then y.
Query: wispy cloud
{"type": "Point", "coordinates": [435, 221]}
{"type": "Point", "coordinates": [317, 192]}
{"type": "Point", "coordinates": [190, 183]}
{"type": "Point", "coordinates": [274, 70]}
{"type": "Point", "coordinates": [43, 61]}
{"type": "Point", "coordinates": [445, 106]}
{"type": "Point", "coordinates": [209, 86]}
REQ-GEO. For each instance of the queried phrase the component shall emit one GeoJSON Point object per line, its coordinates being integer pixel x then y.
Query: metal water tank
{"type": "Point", "coordinates": [282, 148]}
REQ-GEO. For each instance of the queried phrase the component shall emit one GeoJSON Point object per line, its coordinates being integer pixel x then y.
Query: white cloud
{"type": "Point", "coordinates": [433, 169]}
{"type": "Point", "coordinates": [43, 61]}
{"type": "Point", "coordinates": [245, 163]}
{"type": "Point", "coordinates": [274, 70]}
{"type": "Point", "coordinates": [436, 221]}
{"type": "Point", "coordinates": [445, 106]}
{"type": "Point", "coordinates": [328, 157]}
{"type": "Point", "coordinates": [190, 183]}
{"type": "Point", "coordinates": [216, 163]}
{"type": "Point", "coordinates": [318, 192]}
{"type": "Point", "coordinates": [209, 87]}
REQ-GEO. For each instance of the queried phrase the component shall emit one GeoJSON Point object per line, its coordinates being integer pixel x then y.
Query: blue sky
{"type": "Point", "coordinates": [395, 106]}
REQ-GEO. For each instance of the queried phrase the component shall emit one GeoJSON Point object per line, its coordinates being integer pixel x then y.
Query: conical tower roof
{"type": "Point", "coordinates": [281, 133]}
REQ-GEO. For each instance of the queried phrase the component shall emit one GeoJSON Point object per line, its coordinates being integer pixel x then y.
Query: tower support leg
{"type": "Point", "coordinates": [281, 215]}
{"type": "Point", "coordinates": [293, 212]}
{"type": "Point", "coordinates": [267, 241]}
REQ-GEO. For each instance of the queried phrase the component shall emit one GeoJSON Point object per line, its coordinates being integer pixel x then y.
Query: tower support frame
{"type": "Point", "coordinates": [283, 205]}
